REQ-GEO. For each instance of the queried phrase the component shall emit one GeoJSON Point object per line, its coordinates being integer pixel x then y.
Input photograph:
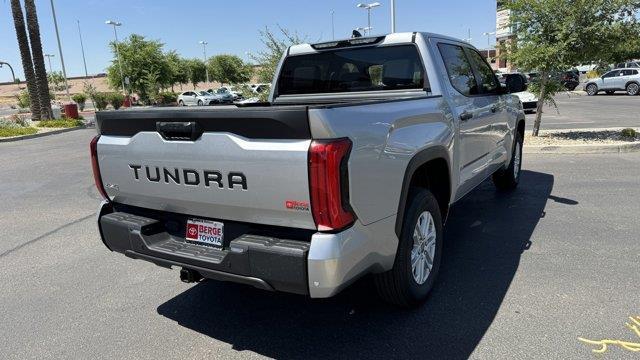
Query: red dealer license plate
{"type": "Point", "coordinates": [205, 232]}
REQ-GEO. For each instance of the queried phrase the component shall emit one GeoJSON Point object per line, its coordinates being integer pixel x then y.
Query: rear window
{"type": "Point", "coordinates": [349, 70]}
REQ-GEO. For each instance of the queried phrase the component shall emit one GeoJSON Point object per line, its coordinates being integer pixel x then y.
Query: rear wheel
{"type": "Point", "coordinates": [633, 89]}
{"type": "Point", "coordinates": [199, 102]}
{"type": "Point", "coordinates": [592, 89]}
{"type": "Point", "coordinates": [508, 179]}
{"type": "Point", "coordinates": [180, 103]}
{"type": "Point", "coordinates": [417, 261]}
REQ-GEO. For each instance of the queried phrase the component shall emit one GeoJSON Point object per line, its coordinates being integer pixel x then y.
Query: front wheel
{"type": "Point", "coordinates": [592, 89]}
{"type": "Point", "coordinates": [633, 89]}
{"type": "Point", "coordinates": [199, 102]}
{"type": "Point", "coordinates": [417, 260]}
{"type": "Point", "coordinates": [508, 179]}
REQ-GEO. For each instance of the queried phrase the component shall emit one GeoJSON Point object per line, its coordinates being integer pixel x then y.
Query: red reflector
{"type": "Point", "coordinates": [327, 179]}
{"type": "Point", "coordinates": [96, 168]}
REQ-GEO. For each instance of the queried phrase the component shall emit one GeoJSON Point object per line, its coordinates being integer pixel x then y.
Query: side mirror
{"type": "Point", "coordinates": [515, 83]}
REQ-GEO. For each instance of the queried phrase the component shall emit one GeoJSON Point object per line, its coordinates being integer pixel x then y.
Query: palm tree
{"type": "Point", "coordinates": [38, 59]}
{"type": "Point", "coordinates": [25, 54]}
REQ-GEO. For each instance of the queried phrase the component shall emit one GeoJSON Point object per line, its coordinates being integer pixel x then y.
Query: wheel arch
{"type": "Point", "coordinates": [429, 168]}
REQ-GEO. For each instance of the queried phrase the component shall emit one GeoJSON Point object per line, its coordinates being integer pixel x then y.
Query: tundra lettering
{"type": "Point", "coordinates": [355, 160]}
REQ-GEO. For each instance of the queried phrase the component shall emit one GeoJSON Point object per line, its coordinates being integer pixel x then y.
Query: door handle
{"type": "Point", "coordinates": [466, 116]}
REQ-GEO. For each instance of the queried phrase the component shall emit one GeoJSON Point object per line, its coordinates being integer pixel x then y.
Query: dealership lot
{"type": "Point", "coordinates": [579, 111]}
{"type": "Point", "coordinates": [524, 276]}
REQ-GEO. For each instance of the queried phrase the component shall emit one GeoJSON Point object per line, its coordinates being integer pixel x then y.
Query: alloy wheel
{"type": "Point", "coordinates": [424, 248]}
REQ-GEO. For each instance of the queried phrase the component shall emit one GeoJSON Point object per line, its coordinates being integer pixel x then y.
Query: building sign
{"type": "Point", "coordinates": [503, 24]}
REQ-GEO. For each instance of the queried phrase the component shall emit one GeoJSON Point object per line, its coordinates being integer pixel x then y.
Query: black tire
{"type": "Point", "coordinates": [592, 89]}
{"type": "Point", "coordinates": [180, 103]}
{"type": "Point", "coordinates": [398, 285]}
{"type": "Point", "coordinates": [200, 103]}
{"type": "Point", "coordinates": [610, 92]}
{"type": "Point", "coordinates": [633, 89]}
{"type": "Point", "coordinates": [508, 179]}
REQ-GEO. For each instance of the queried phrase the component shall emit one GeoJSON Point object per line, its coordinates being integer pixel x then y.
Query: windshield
{"type": "Point", "coordinates": [349, 70]}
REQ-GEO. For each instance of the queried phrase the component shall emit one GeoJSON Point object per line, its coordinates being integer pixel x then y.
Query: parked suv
{"type": "Point", "coordinates": [615, 80]}
{"type": "Point", "coordinates": [349, 170]}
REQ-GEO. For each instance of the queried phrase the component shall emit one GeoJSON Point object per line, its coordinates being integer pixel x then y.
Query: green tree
{"type": "Point", "coordinates": [196, 71]}
{"type": "Point", "coordinates": [25, 55]}
{"type": "Point", "coordinates": [140, 57]}
{"type": "Point", "coordinates": [229, 69]}
{"type": "Point", "coordinates": [555, 35]}
{"type": "Point", "coordinates": [276, 45]}
{"type": "Point", "coordinates": [178, 71]}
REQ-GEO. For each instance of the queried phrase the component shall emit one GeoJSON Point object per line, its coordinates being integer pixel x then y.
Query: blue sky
{"type": "Point", "coordinates": [229, 26]}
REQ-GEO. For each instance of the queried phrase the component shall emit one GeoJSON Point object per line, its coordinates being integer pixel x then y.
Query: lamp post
{"type": "Point", "coordinates": [393, 16]}
{"type": "Point", "coordinates": [488, 35]}
{"type": "Point", "coordinates": [64, 70]}
{"type": "Point", "coordinates": [84, 60]}
{"type": "Point", "coordinates": [204, 57]}
{"type": "Point", "coordinates": [368, 7]}
{"type": "Point", "coordinates": [333, 26]}
{"type": "Point", "coordinates": [13, 75]}
{"type": "Point", "coordinates": [115, 24]}
{"type": "Point", "coordinates": [49, 56]}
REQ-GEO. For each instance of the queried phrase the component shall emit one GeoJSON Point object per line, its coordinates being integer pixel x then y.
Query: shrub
{"type": "Point", "coordinates": [80, 99]}
{"type": "Point", "coordinates": [100, 100]}
{"type": "Point", "coordinates": [61, 123]}
{"type": "Point", "coordinates": [629, 133]}
{"type": "Point", "coordinates": [7, 132]}
{"type": "Point", "coordinates": [116, 100]}
{"type": "Point", "coordinates": [166, 98]}
{"type": "Point", "coordinates": [24, 101]}
{"type": "Point", "coordinates": [592, 74]}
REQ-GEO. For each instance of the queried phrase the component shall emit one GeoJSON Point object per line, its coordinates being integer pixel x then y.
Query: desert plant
{"type": "Point", "coordinates": [166, 98]}
{"type": "Point", "coordinates": [116, 100]}
{"type": "Point", "coordinates": [25, 55]}
{"type": "Point", "coordinates": [100, 100]}
{"type": "Point", "coordinates": [629, 133]}
{"type": "Point", "coordinates": [80, 99]}
{"type": "Point", "coordinates": [24, 100]}
{"type": "Point", "coordinates": [61, 123]}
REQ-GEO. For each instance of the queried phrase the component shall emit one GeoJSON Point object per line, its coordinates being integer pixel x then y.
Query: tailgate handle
{"type": "Point", "coordinates": [179, 130]}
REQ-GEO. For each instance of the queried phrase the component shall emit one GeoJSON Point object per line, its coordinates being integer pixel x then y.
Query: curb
{"type": "Point", "coordinates": [582, 149]}
{"type": "Point", "coordinates": [33, 136]}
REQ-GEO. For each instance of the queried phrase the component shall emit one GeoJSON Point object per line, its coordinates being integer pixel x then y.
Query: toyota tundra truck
{"type": "Point", "coordinates": [349, 169]}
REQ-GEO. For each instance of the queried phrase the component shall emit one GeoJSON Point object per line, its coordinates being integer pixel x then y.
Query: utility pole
{"type": "Point", "coordinates": [49, 56]}
{"type": "Point", "coordinates": [64, 70]}
{"type": "Point", "coordinates": [84, 60]}
{"type": "Point", "coordinates": [393, 16]}
{"type": "Point", "coordinates": [115, 33]}
{"type": "Point", "coordinates": [204, 57]}
{"type": "Point", "coordinates": [333, 26]}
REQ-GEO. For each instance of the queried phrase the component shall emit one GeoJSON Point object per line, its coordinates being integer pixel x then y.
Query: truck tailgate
{"type": "Point", "coordinates": [245, 165]}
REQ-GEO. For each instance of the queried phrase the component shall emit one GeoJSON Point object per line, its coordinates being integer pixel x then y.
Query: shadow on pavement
{"type": "Point", "coordinates": [484, 238]}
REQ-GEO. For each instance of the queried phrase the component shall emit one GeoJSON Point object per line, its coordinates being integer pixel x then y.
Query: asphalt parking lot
{"type": "Point", "coordinates": [576, 110]}
{"type": "Point", "coordinates": [524, 275]}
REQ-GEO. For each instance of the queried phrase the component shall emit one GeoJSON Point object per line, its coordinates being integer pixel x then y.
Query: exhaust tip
{"type": "Point", "coordinates": [189, 276]}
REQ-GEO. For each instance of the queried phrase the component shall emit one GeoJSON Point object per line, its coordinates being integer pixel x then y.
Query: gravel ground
{"type": "Point", "coordinates": [580, 137]}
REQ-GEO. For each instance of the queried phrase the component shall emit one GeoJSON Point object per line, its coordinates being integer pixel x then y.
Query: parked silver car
{"type": "Point", "coordinates": [199, 98]}
{"type": "Point", "coordinates": [615, 80]}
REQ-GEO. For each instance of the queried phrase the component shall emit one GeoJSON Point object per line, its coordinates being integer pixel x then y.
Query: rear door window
{"type": "Point", "coordinates": [397, 67]}
{"type": "Point", "coordinates": [459, 69]}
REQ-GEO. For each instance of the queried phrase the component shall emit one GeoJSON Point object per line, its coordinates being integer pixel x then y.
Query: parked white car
{"type": "Point", "coordinates": [529, 101]}
{"type": "Point", "coordinates": [627, 79]}
{"type": "Point", "coordinates": [198, 98]}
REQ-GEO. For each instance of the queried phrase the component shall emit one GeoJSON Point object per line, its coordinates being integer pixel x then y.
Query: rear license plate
{"type": "Point", "coordinates": [205, 232]}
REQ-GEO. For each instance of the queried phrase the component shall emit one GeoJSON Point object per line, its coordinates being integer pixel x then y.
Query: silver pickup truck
{"type": "Point", "coordinates": [349, 169]}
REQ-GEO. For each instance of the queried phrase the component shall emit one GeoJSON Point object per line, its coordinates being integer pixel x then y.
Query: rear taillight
{"type": "Point", "coordinates": [329, 184]}
{"type": "Point", "coordinates": [96, 168]}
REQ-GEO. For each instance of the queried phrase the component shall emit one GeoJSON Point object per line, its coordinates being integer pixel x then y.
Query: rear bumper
{"type": "Point", "coordinates": [319, 267]}
{"type": "Point", "coordinates": [529, 105]}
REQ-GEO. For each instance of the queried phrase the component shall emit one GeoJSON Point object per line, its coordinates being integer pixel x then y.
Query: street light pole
{"type": "Point", "coordinates": [49, 56]}
{"type": "Point", "coordinates": [64, 70]}
{"type": "Point", "coordinates": [368, 7]}
{"type": "Point", "coordinates": [488, 35]}
{"type": "Point", "coordinates": [13, 75]}
{"type": "Point", "coordinates": [84, 60]}
{"type": "Point", "coordinates": [333, 26]}
{"type": "Point", "coordinates": [204, 56]}
{"type": "Point", "coordinates": [115, 33]}
{"type": "Point", "coordinates": [393, 16]}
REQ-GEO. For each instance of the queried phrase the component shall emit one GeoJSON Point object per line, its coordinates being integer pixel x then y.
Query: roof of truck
{"type": "Point", "coordinates": [392, 38]}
